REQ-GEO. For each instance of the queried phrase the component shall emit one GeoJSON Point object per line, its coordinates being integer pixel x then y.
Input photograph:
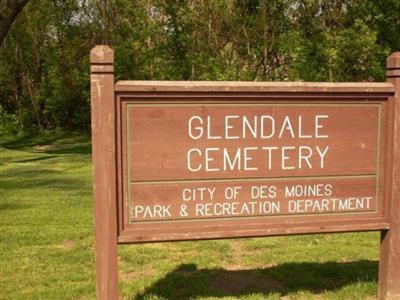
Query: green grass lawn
{"type": "Point", "coordinates": [47, 243]}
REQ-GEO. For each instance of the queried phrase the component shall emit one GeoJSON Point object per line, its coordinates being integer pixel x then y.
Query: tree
{"type": "Point", "coordinates": [44, 66]}
{"type": "Point", "coordinates": [9, 10]}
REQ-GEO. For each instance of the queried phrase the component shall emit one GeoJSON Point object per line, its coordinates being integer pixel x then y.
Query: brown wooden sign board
{"type": "Point", "coordinates": [210, 160]}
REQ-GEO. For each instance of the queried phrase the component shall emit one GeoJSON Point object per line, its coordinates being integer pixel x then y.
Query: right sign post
{"type": "Point", "coordinates": [389, 261]}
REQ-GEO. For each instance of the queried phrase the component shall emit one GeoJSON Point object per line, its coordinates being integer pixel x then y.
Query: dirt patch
{"type": "Point", "coordinates": [237, 256]}
{"type": "Point", "coordinates": [67, 245]}
{"type": "Point", "coordinates": [187, 273]}
{"type": "Point", "coordinates": [234, 282]}
{"type": "Point", "coordinates": [42, 147]}
{"type": "Point", "coordinates": [238, 267]}
{"type": "Point", "coordinates": [131, 276]}
{"type": "Point", "coordinates": [236, 252]}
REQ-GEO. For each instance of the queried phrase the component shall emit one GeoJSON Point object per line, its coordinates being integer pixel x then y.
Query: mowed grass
{"type": "Point", "coordinates": [47, 243]}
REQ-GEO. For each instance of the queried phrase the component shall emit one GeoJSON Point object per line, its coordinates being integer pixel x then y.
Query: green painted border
{"type": "Point", "coordinates": [132, 104]}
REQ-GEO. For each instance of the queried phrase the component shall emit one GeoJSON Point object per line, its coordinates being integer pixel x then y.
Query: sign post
{"type": "Point", "coordinates": [104, 170]}
{"type": "Point", "coordinates": [191, 160]}
{"type": "Point", "coordinates": [389, 261]}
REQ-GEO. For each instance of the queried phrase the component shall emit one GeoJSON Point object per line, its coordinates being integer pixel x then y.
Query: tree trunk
{"type": "Point", "coordinates": [9, 10]}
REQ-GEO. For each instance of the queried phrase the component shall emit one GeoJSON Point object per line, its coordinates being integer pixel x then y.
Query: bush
{"type": "Point", "coordinates": [8, 123]}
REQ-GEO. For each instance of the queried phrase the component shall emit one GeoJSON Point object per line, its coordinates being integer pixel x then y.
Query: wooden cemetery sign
{"type": "Point", "coordinates": [209, 160]}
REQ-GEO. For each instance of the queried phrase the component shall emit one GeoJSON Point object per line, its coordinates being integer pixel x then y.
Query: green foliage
{"type": "Point", "coordinates": [8, 123]}
{"type": "Point", "coordinates": [44, 70]}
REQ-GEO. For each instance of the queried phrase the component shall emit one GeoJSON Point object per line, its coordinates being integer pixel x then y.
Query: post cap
{"type": "Point", "coordinates": [393, 61]}
{"type": "Point", "coordinates": [102, 54]}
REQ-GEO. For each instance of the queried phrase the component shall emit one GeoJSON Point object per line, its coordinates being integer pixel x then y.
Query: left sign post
{"type": "Point", "coordinates": [104, 170]}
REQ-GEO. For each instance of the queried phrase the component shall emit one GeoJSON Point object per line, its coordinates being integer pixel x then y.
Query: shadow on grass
{"type": "Point", "coordinates": [30, 140]}
{"type": "Point", "coordinates": [51, 143]}
{"type": "Point", "coordinates": [70, 149]}
{"type": "Point", "coordinates": [42, 178]}
{"type": "Point", "coordinates": [187, 281]}
{"type": "Point", "coordinates": [34, 159]}
{"type": "Point", "coordinates": [42, 174]}
{"type": "Point", "coordinates": [14, 206]}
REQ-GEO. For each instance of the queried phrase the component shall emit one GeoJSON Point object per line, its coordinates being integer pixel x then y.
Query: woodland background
{"type": "Point", "coordinates": [44, 57]}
